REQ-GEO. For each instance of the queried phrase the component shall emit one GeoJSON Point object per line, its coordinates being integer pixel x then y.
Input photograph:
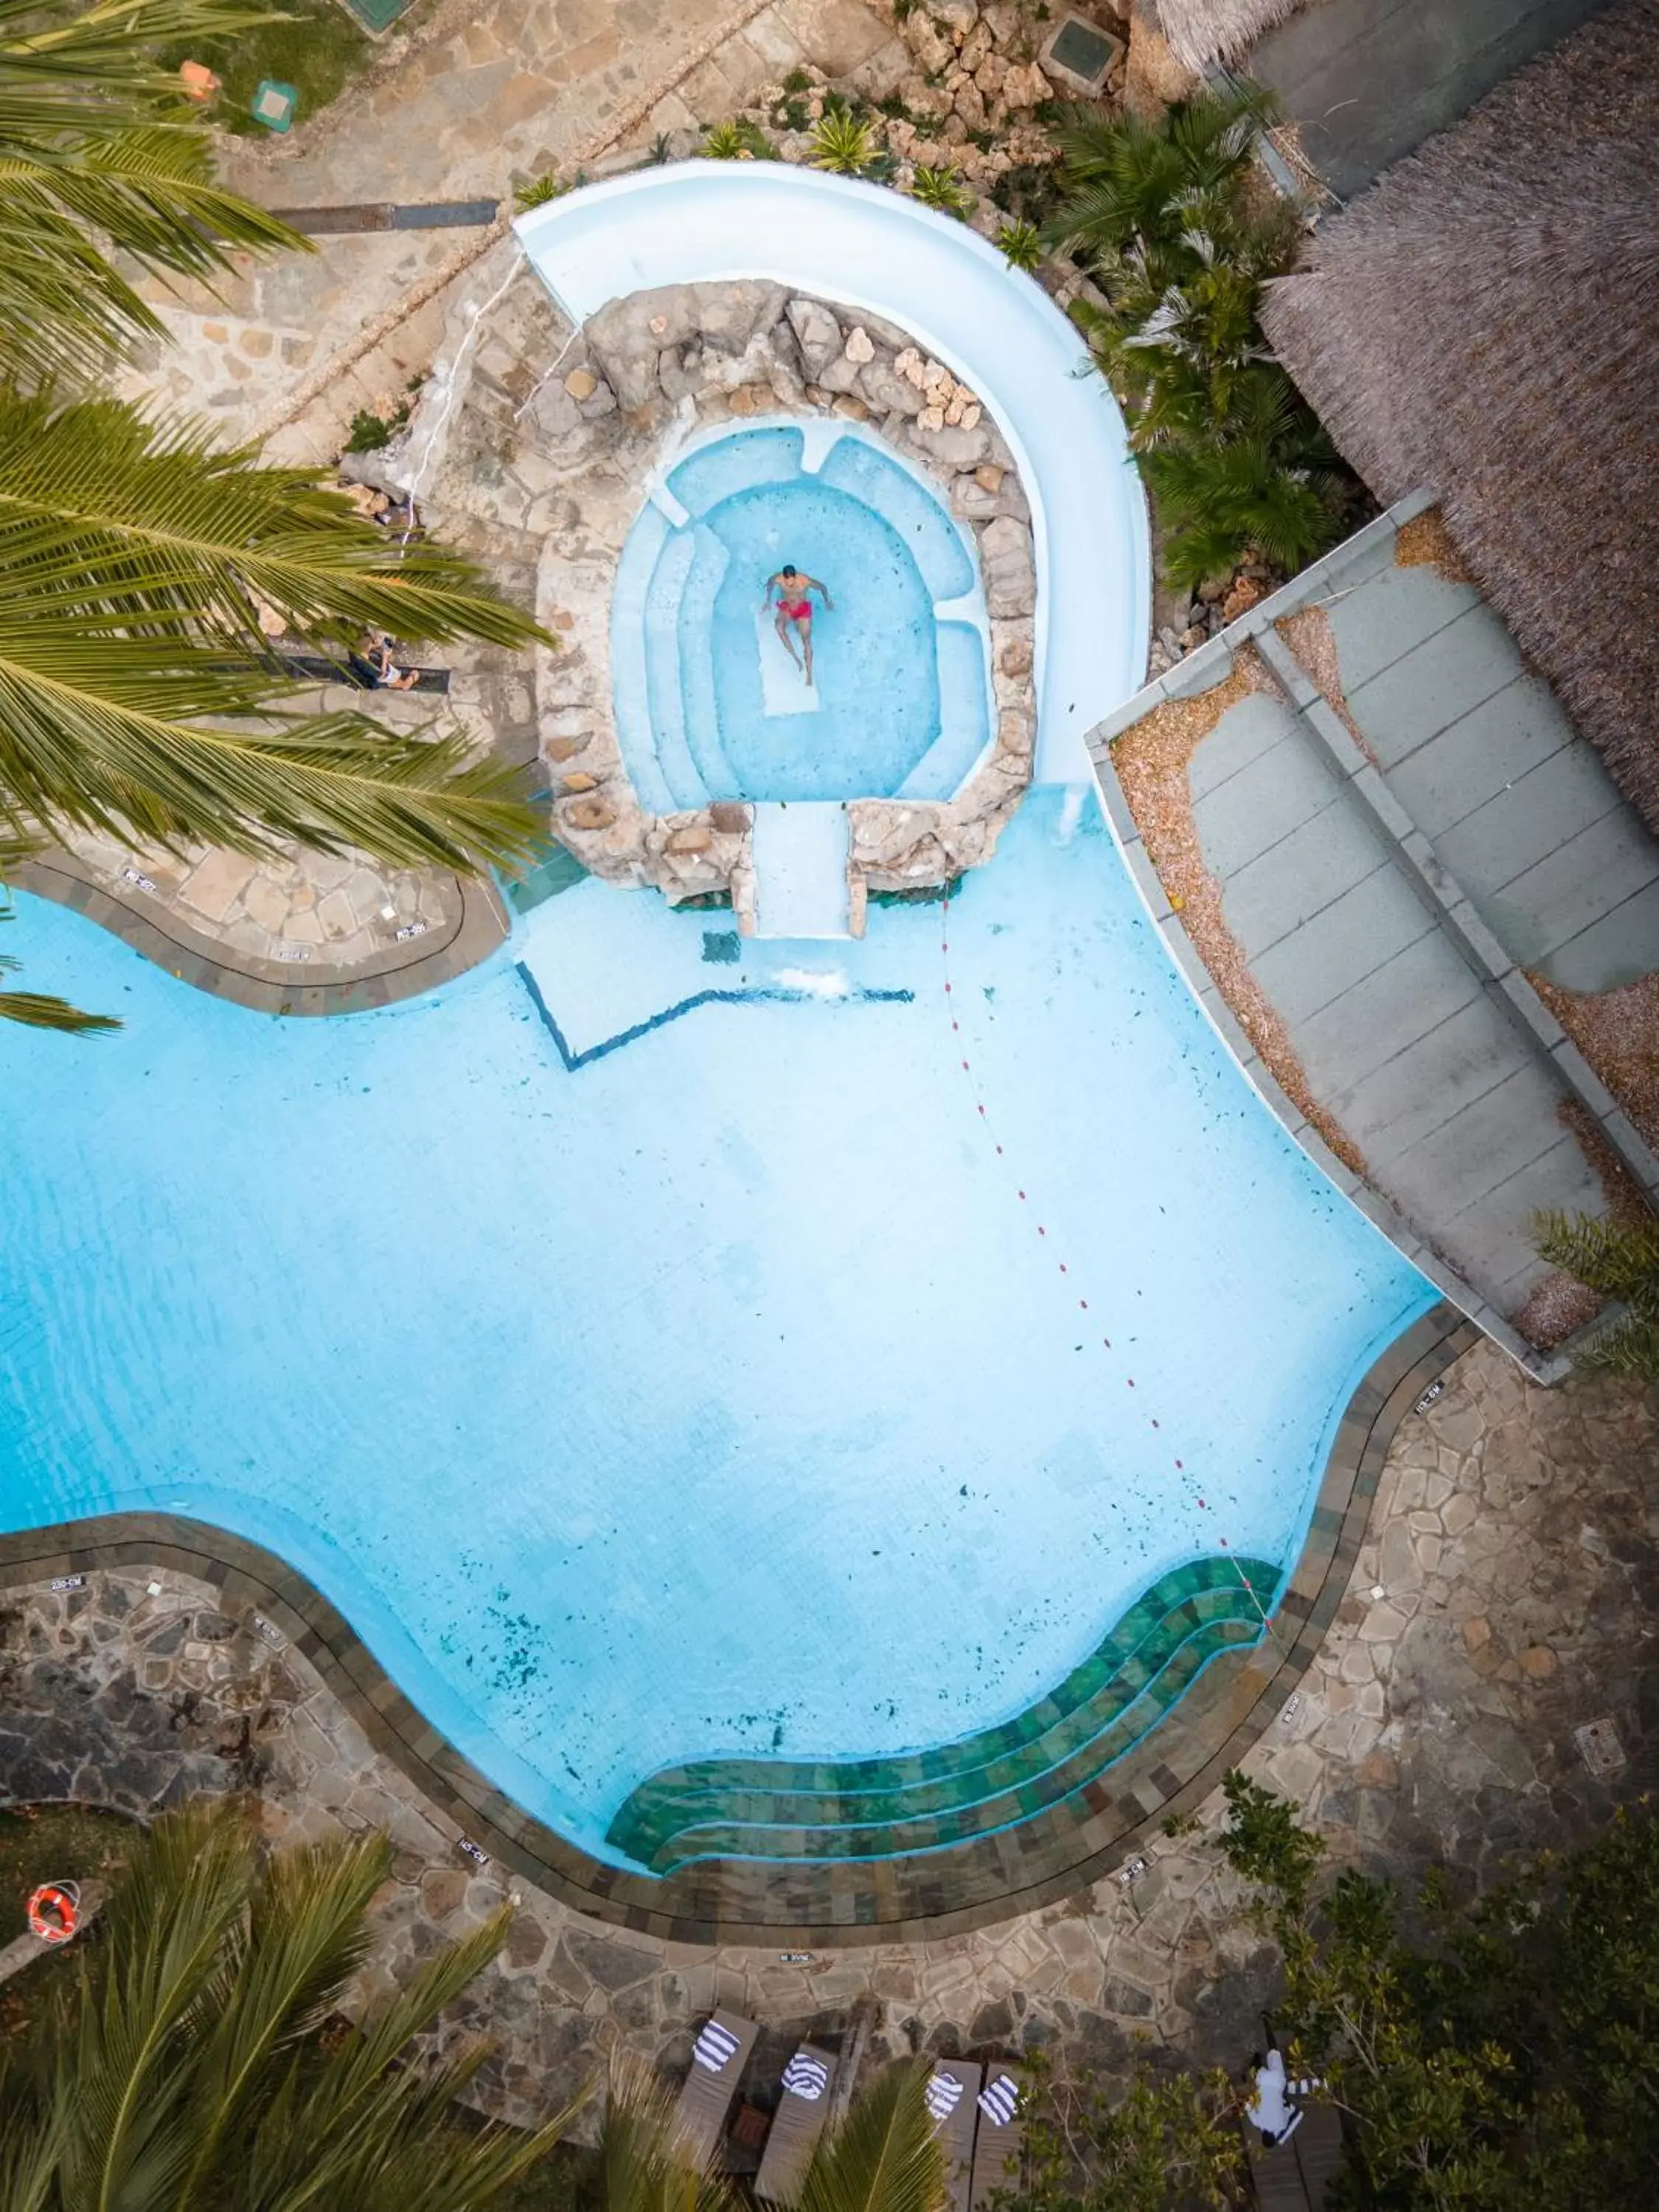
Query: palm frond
{"type": "Point", "coordinates": [94, 71]}
{"type": "Point", "coordinates": [886, 2155]}
{"type": "Point", "coordinates": [41, 1010]}
{"type": "Point", "coordinates": [138, 693]}
{"type": "Point", "coordinates": [636, 2167]}
{"type": "Point", "coordinates": [143, 1990]}
{"type": "Point", "coordinates": [102, 156]}
{"type": "Point", "coordinates": [1628, 1345]}
{"type": "Point", "coordinates": [306, 1938]}
{"type": "Point", "coordinates": [1619, 1259]}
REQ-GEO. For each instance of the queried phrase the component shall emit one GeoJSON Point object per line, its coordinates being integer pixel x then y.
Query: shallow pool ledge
{"type": "Point", "coordinates": [875, 251]}
{"type": "Point", "coordinates": [919, 1897]}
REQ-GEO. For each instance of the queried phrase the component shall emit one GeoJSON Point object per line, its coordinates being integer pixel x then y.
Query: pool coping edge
{"type": "Point", "coordinates": [841, 1902]}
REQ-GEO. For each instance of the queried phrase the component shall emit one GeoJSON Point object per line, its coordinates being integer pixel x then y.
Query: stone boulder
{"type": "Point", "coordinates": [628, 336]}
{"type": "Point", "coordinates": [935, 49]}
{"type": "Point", "coordinates": [817, 333]}
{"type": "Point", "coordinates": [888, 392]}
{"type": "Point", "coordinates": [1010, 574]}
{"type": "Point", "coordinates": [730, 315]}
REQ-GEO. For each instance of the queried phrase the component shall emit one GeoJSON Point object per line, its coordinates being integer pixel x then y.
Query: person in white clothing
{"type": "Point", "coordinates": [1271, 2110]}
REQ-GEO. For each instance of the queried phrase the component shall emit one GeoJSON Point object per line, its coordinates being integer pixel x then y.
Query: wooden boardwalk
{"type": "Point", "coordinates": [1294, 2176]}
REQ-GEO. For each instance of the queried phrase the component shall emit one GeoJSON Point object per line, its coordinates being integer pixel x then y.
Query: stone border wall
{"type": "Point", "coordinates": [555, 434]}
{"type": "Point", "coordinates": [930, 1895]}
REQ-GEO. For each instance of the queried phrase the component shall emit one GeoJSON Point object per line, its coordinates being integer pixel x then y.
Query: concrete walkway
{"type": "Point", "coordinates": [475, 100]}
{"type": "Point", "coordinates": [1378, 827]}
{"type": "Point", "coordinates": [1368, 80]}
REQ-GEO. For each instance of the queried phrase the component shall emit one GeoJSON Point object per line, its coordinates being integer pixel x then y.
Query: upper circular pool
{"type": "Point", "coordinates": [709, 703]}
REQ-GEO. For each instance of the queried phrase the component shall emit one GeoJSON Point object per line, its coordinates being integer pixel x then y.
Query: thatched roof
{"type": "Point", "coordinates": [1201, 31]}
{"type": "Point", "coordinates": [1484, 322]}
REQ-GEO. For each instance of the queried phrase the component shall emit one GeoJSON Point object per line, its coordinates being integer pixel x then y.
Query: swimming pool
{"type": "Point", "coordinates": [663, 1351]}
{"type": "Point", "coordinates": [708, 706]}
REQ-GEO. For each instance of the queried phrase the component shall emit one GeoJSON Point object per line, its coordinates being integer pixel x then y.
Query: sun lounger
{"type": "Point", "coordinates": [1001, 2107]}
{"type": "Point", "coordinates": [718, 2058]}
{"type": "Point", "coordinates": [952, 2086]}
{"type": "Point", "coordinates": [327, 670]}
{"type": "Point", "coordinates": [796, 2125]}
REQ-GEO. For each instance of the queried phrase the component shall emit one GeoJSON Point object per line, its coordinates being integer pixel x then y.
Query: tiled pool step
{"type": "Point", "coordinates": [882, 1807]}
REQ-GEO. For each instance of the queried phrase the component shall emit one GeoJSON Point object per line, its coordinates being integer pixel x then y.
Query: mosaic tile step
{"type": "Point", "coordinates": [802, 1809]}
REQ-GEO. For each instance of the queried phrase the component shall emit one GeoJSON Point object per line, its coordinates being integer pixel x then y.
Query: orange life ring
{"type": "Point", "coordinates": [55, 1911]}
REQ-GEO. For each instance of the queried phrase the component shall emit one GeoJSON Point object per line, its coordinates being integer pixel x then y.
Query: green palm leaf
{"type": "Point", "coordinates": [136, 692]}
{"type": "Point", "coordinates": [886, 2155]}
{"type": "Point", "coordinates": [182, 2070]}
{"type": "Point", "coordinates": [1619, 1260]}
{"type": "Point", "coordinates": [101, 155]}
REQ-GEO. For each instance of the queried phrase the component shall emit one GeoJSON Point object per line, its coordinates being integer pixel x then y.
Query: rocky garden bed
{"type": "Point", "coordinates": [544, 434]}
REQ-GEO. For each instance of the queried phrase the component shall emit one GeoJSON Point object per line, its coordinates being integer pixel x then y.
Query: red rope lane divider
{"type": "Point", "coordinates": [1041, 1230]}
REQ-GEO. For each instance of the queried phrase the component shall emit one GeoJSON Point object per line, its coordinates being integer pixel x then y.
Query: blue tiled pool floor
{"type": "Point", "coordinates": [729, 1396]}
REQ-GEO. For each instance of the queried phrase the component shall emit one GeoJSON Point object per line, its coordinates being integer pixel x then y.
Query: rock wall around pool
{"type": "Point", "coordinates": [538, 442]}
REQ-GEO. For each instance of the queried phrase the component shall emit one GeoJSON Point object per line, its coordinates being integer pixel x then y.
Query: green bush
{"type": "Point", "coordinates": [1166, 218]}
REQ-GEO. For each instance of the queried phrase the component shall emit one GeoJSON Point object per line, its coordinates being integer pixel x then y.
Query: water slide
{"type": "Point", "coordinates": [867, 247]}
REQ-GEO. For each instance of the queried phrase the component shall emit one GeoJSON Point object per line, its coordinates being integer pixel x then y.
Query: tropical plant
{"type": "Point", "coordinates": [1167, 220]}
{"type": "Point", "coordinates": [539, 191]}
{"type": "Point", "coordinates": [1489, 2055]}
{"type": "Point", "coordinates": [1141, 2146]}
{"type": "Point", "coordinates": [1021, 243]}
{"type": "Point", "coordinates": [844, 144]}
{"type": "Point", "coordinates": [941, 189]}
{"type": "Point", "coordinates": [138, 693]}
{"type": "Point", "coordinates": [197, 2058]}
{"type": "Point", "coordinates": [883, 2157]}
{"type": "Point", "coordinates": [1264, 480]}
{"type": "Point", "coordinates": [1620, 1259]}
{"type": "Point", "coordinates": [742, 139]}
{"type": "Point", "coordinates": [103, 156]}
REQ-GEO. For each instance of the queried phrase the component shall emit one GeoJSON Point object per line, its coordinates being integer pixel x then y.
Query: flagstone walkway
{"type": "Point", "coordinates": [473, 101]}
{"type": "Point", "coordinates": [1503, 1598]}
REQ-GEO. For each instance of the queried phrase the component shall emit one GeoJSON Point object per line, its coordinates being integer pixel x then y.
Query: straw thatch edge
{"type": "Point", "coordinates": [1484, 321]}
{"type": "Point", "coordinates": [1200, 31]}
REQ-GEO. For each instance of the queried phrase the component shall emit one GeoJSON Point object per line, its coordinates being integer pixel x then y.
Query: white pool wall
{"type": "Point", "coordinates": [871, 249]}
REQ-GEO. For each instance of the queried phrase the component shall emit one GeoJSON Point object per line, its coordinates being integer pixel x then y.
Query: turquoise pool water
{"type": "Point", "coordinates": [902, 703]}
{"type": "Point", "coordinates": [650, 1374]}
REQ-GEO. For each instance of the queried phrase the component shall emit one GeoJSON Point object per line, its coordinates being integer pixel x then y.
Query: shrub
{"type": "Point", "coordinates": [842, 144]}
{"type": "Point", "coordinates": [1022, 245]}
{"type": "Point", "coordinates": [943, 190]}
{"type": "Point", "coordinates": [739, 141]}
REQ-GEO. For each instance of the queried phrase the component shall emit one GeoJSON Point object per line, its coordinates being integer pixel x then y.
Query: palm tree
{"type": "Point", "coordinates": [1620, 1259]}
{"type": "Point", "coordinates": [1167, 219]}
{"type": "Point", "coordinates": [884, 2156]}
{"type": "Point", "coordinates": [198, 2060]}
{"type": "Point", "coordinates": [137, 692]}
{"type": "Point", "coordinates": [1127, 182]}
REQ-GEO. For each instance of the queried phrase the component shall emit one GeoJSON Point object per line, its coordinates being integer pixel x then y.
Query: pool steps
{"type": "Point", "coordinates": [672, 566]}
{"type": "Point", "coordinates": [1057, 1749]}
{"type": "Point", "coordinates": [801, 869]}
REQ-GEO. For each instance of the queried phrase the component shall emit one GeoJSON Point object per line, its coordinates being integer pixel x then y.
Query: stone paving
{"type": "Point", "coordinates": [471, 101]}
{"type": "Point", "coordinates": [1503, 1598]}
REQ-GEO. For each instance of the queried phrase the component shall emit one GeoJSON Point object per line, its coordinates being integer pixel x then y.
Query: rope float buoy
{"type": "Point", "coordinates": [1041, 1230]}
{"type": "Point", "coordinates": [55, 1912]}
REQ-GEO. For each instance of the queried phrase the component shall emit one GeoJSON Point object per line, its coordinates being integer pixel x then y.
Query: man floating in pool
{"type": "Point", "coordinates": [795, 611]}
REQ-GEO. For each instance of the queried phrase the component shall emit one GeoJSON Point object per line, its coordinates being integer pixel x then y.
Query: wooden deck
{"type": "Point", "coordinates": [1294, 2176]}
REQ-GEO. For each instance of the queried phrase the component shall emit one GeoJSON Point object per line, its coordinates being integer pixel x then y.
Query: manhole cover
{"type": "Point", "coordinates": [1599, 1748]}
{"type": "Point", "coordinates": [1082, 52]}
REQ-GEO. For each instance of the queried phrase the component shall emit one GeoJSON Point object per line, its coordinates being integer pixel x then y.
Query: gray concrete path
{"type": "Point", "coordinates": [1368, 80]}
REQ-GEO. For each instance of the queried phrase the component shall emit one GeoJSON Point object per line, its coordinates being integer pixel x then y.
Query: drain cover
{"type": "Point", "coordinates": [1082, 53]}
{"type": "Point", "coordinates": [1599, 1748]}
